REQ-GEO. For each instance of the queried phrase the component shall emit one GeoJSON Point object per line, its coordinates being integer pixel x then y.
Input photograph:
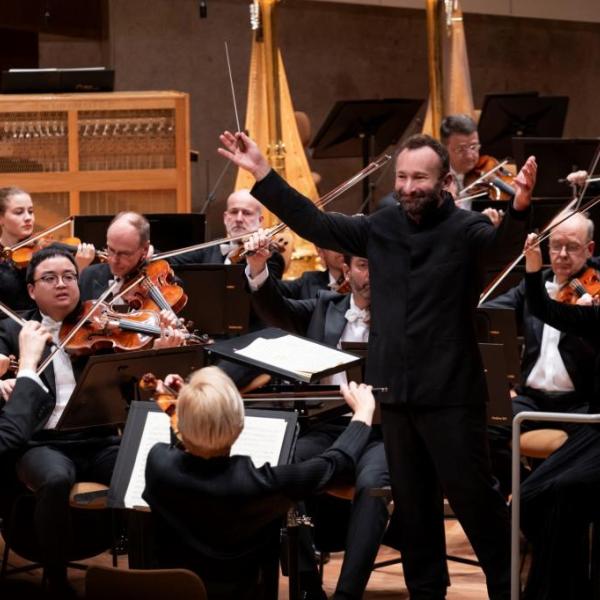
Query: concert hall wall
{"type": "Point", "coordinates": [332, 52]}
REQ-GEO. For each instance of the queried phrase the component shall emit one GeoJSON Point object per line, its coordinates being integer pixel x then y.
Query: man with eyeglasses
{"type": "Point", "coordinates": [127, 245]}
{"type": "Point", "coordinates": [53, 460]}
{"type": "Point", "coordinates": [557, 368]}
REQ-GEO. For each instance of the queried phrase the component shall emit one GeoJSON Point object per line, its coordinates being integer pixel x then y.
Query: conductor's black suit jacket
{"type": "Point", "coordinates": [425, 284]}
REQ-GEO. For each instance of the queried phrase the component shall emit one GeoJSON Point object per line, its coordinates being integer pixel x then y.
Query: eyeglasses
{"type": "Point", "coordinates": [464, 148]}
{"type": "Point", "coordinates": [52, 279]}
{"type": "Point", "coordinates": [570, 248]}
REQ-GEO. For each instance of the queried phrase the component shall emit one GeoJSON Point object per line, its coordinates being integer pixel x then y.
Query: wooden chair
{"type": "Point", "coordinates": [102, 583]}
{"type": "Point", "coordinates": [19, 534]}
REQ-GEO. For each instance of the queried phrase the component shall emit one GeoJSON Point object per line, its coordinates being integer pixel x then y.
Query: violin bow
{"type": "Point", "coordinates": [574, 204]}
{"type": "Point", "coordinates": [544, 235]}
{"type": "Point", "coordinates": [37, 236]}
{"type": "Point", "coordinates": [483, 177]}
{"type": "Point", "coordinates": [97, 303]}
{"type": "Point", "coordinates": [324, 201]}
{"type": "Point", "coordinates": [9, 312]}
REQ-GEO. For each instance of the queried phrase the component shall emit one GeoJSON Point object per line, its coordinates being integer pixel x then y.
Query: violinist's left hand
{"type": "Point", "coordinates": [524, 183]}
{"type": "Point", "coordinates": [257, 246]}
{"type": "Point", "coordinates": [585, 300]}
{"type": "Point", "coordinates": [85, 256]}
{"type": "Point", "coordinates": [533, 254]}
{"type": "Point", "coordinates": [6, 388]}
{"type": "Point", "coordinates": [169, 338]}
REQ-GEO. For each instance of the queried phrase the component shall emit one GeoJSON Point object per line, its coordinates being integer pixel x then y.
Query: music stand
{"type": "Point", "coordinates": [500, 403]}
{"type": "Point", "coordinates": [501, 328]}
{"type": "Point", "coordinates": [556, 157]}
{"type": "Point", "coordinates": [108, 383]}
{"type": "Point", "coordinates": [221, 304]}
{"type": "Point", "coordinates": [169, 231]}
{"type": "Point", "coordinates": [363, 128]}
{"type": "Point", "coordinates": [228, 349]}
{"type": "Point", "coordinates": [505, 116]}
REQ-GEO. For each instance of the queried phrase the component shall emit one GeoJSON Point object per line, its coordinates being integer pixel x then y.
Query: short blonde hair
{"type": "Point", "coordinates": [210, 413]}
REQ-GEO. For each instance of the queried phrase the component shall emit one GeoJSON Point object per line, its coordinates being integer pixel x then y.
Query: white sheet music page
{"type": "Point", "coordinates": [261, 440]}
{"type": "Point", "coordinates": [296, 354]}
{"type": "Point", "coordinates": [156, 429]}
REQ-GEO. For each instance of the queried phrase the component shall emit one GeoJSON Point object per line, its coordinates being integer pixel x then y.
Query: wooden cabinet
{"type": "Point", "coordinates": [97, 153]}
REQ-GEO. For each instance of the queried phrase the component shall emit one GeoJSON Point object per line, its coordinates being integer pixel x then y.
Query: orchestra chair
{"type": "Point", "coordinates": [541, 443]}
{"type": "Point", "coordinates": [259, 381]}
{"type": "Point", "coordinates": [93, 528]}
{"type": "Point", "coordinates": [151, 584]}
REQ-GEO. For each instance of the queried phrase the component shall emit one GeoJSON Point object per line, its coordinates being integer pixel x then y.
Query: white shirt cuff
{"type": "Point", "coordinates": [30, 374]}
{"type": "Point", "coordinates": [257, 282]}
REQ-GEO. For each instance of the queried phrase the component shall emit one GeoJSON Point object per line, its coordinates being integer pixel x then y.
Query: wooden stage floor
{"type": "Point", "coordinates": [467, 581]}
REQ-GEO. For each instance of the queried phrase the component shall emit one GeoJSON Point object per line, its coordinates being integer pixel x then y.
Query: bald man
{"type": "Point", "coordinates": [243, 214]}
{"type": "Point", "coordinates": [557, 368]}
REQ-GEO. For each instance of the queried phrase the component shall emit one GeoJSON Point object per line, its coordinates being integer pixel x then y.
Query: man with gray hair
{"type": "Point", "coordinates": [557, 368]}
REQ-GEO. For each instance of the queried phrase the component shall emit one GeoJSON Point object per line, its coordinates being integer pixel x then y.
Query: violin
{"type": "Point", "coordinates": [106, 329]}
{"type": "Point", "coordinates": [341, 285]}
{"type": "Point", "coordinates": [165, 399]}
{"type": "Point", "coordinates": [586, 283]}
{"type": "Point", "coordinates": [157, 289]}
{"type": "Point", "coordinates": [490, 173]}
{"type": "Point", "coordinates": [275, 245]}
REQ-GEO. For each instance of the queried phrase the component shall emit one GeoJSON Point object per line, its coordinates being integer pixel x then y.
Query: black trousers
{"type": "Point", "coordinates": [559, 500]}
{"type": "Point", "coordinates": [368, 515]}
{"type": "Point", "coordinates": [440, 451]}
{"type": "Point", "coordinates": [50, 472]}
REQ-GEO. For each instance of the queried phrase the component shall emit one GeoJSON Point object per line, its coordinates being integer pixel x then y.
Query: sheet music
{"type": "Point", "coordinates": [261, 440]}
{"type": "Point", "coordinates": [292, 353]}
{"type": "Point", "coordinates": [156, 429]}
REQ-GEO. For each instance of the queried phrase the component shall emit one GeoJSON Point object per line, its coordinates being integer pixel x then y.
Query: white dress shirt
{"type": "Point", "coordinates": [549, 373]}
{"type": "Point", "coordinates": [63, 374]}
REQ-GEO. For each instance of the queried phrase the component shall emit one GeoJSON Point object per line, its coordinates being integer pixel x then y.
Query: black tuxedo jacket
{"type": "Point", "coordinates": [306, 286]}
{"type": "Point", "coordinates": [24, 414]}
{"type": "Point", "coordinates": [426, 279]}
{"type": "Point", "coordinates": [93, 281]}
{"type": "Point", "coordinates": [223, 508]}
{"type": "Point", "coordinates": [321, 318]}
{"type": "Point", "coordinates": [577, 353]}
{"type": "Point", "coordinates": [9, 344]}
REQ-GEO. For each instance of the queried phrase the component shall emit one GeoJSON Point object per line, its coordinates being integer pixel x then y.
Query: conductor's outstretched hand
{"type": "Point", "coordinates": [246, 155]}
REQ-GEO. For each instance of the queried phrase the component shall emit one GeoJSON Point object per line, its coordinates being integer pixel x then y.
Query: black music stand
{"type": "Point", "coordinates": [363, 128]}
{"type": "Point", "coordinates": [169, 231]}
{"type": "Point", "coordinates": [505, 116]}
{"type": "Point", "coordinates": [501, 328]}
{"type": "Point", "coordinates": [556, 157]}
{"type": "Point", "coordinates": [228, 349]}
{"type": "Point", "coordinates": [108, 383]}
{"type": "Point", "coordinates": [494, 365]}
{"type": "Point", "coordinates": [221, 304]}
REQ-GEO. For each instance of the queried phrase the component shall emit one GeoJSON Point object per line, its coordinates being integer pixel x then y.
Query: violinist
{"type": "Point", "coordinates": [459, 135]}
{"type": "Point", "coordinates": [310, 282]}
{"type": "Point", "coordinates": [561, 498]}
{"type": "Point", "coordinates": [219, 515]}
{"type": "Point", "coordinates": [17, 219]}
{"type": "Point", "coordinates": [243, 214]}
{"type": "Point", "coordinates": [331, 318]}
{"type": "Point", "coordinates": [127, 246]}
{"type": "Point", "coordinates": [54, 460]}
{"type": "Point", "coordinates": [557, 368]}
